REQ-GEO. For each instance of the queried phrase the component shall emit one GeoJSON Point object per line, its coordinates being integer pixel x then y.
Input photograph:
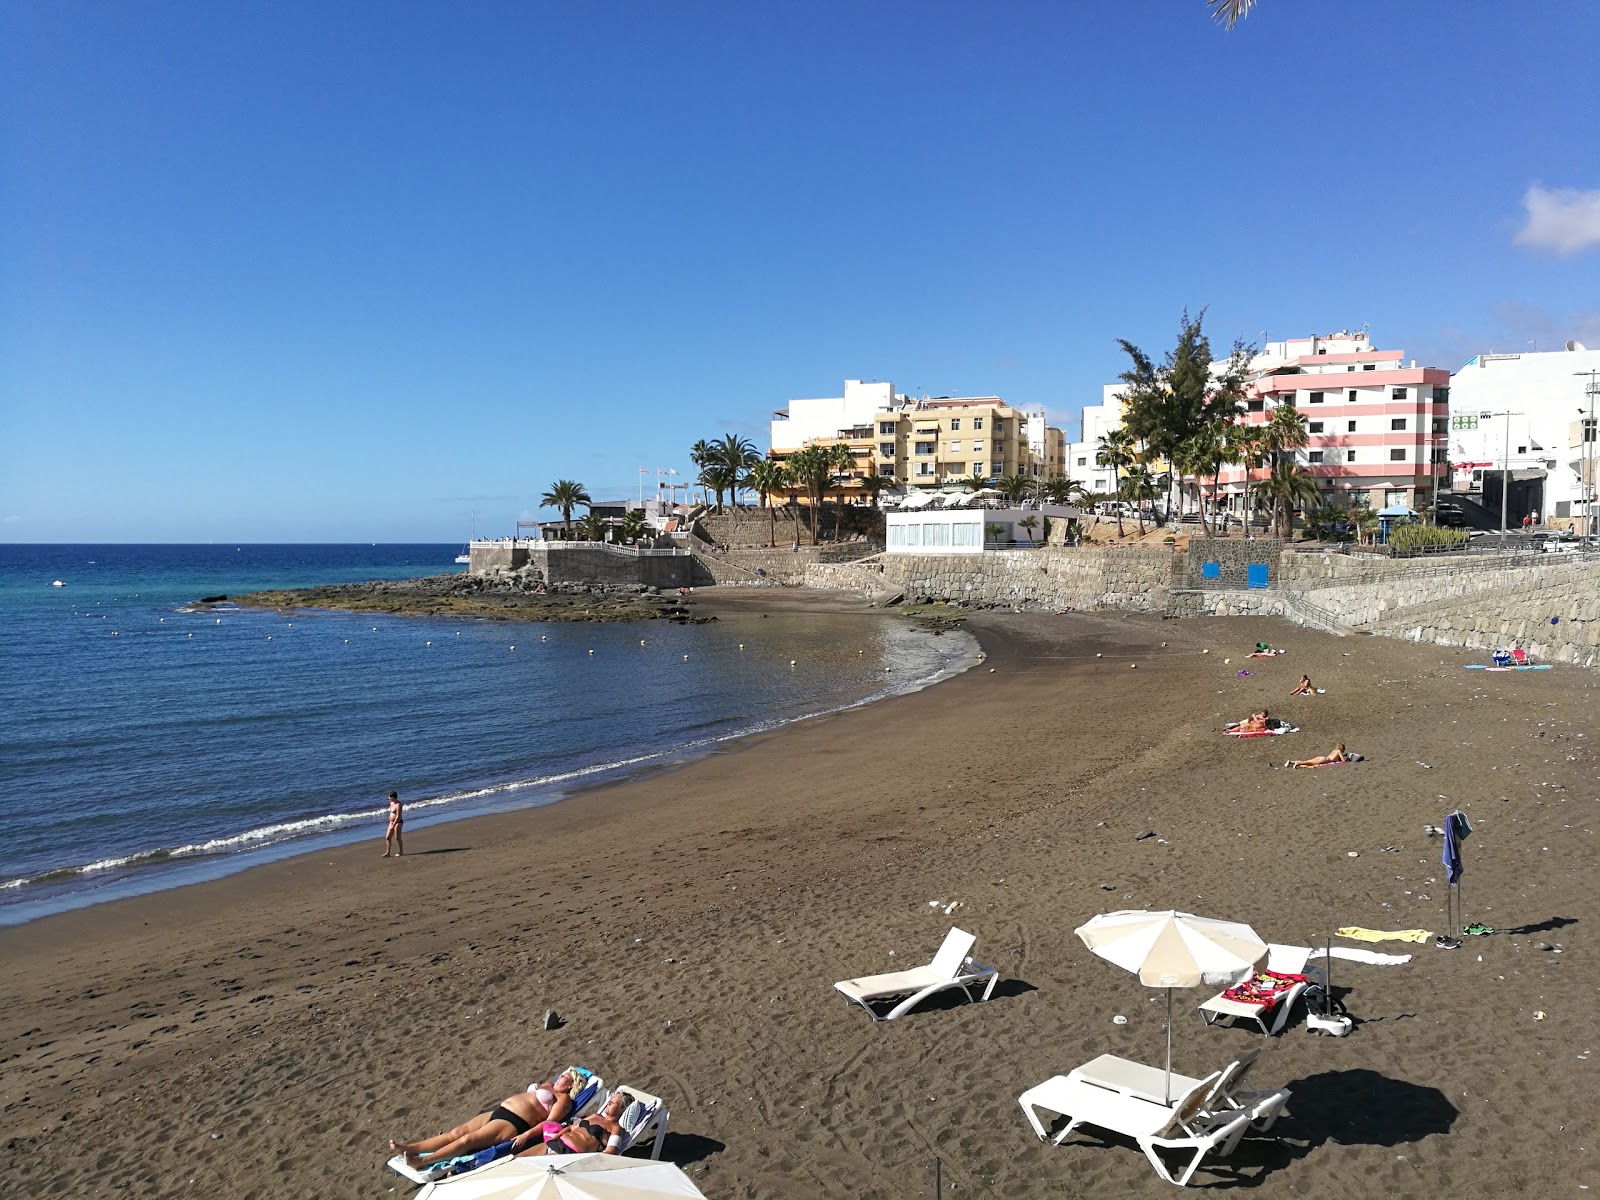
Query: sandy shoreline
{"type": "Point", "coordinates": [689, 925]}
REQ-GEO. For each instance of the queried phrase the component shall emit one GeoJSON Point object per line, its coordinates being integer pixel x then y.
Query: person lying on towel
{"type": "Point", "coordinates": [515, 1119]}
{"type": "Point", "coordinates": [597, 1134]}
{"type": "Point", "coordinates": [1256, 722]}
{"type": "Point", "coordinates": [1337, 755]}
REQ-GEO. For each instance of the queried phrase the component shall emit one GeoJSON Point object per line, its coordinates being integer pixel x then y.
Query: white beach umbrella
{"type": "Point", "coordinates": [1175, 950]}
{"type": "Point", "coordinates": [566, 1177]}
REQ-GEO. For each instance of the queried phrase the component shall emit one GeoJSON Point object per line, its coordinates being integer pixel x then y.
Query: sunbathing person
{"type": "Point", "coordinates": [597, 1134]}
{"type": "Point", "coordinates": [1337, 755]}
{"type": "Point", "coordinates": [1257, 722]}
{"type": "Point", "coordinates": [514, 1118]}
{"type": "Point", "coordinates": [1304, 688]}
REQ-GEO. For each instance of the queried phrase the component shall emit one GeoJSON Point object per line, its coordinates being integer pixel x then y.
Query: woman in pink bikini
{"type": "Point", "coordinates": [598, 1134]}
{"type": "Point", "coordinates": [515, 1119]}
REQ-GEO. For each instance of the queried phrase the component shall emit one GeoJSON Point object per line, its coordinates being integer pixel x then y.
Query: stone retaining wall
{"type": "Point", "coordinates": [1049, 577]}
{"type": "Point", "coordinates": [584, 564]}
{"type": "Point", "coordinates": [783, 567]}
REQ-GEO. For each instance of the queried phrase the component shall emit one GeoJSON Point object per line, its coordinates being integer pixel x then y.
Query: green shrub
{"type": "Point", "coordinates": [1415, 539]}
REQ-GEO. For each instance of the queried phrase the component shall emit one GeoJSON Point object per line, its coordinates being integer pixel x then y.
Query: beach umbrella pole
{"type": "Point", "coordinates": [1169, 1045]}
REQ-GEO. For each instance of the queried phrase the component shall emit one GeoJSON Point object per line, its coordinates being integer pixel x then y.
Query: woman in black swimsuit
{"type": "Point", "coordinates": [513, 1119]}
{"type": "Point", "coordinates": [600, 1133]}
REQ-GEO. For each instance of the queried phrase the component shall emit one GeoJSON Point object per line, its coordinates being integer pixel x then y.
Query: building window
{"type": "Point", "coordinates": [1588, 429]}
{"type": "Point", "coordinates": [1397, 424]}
{"type": "Point", "coordinates": [1000, 446]}
{"type": "Point", "coordinates": [977, 422]}
{"type": "Point", "coordinates": [1359, 497]}
{"type": "Point", "coordinates": [1349, 426]}
{"type": "Point", "coordinates": [1351, 367]}
{"type": "Point", "coordinates": [1441, 424]}
{"type": "Point", "coordinates": [1084, 462]}
{"type": "Point", "coordinates": [1349, 456]}
{"type": "Point", "coordinates": [999, 424]}
{"type": "Point", "coordinates": [1351, 394]}
{"type": "Point", "coordinates": [966, 534]}
{"type": "Point", "coordinates": [1316, 397]}
{"type": "Point", "coordinates": [885, 428]}
{"type": "Point", "coordinates": [1314, 456]}
{"type": "Point", "coordinates": [1441, 395]}
{"type": "Point", "coordinates": [1369, 366]}
{"type": "Point", "coordinates": [1397, 393]}
{"type": "Point", "coordinates": [886, 469]}
{"type": "Point", "coordinates": [1393, 496]}
{"type": "Point", "coordinates": [977, 447]}
{"type": "Point", "coordinates": [923, 448]}
{"type": "Point", "coordinates": [1397, 455]}
{"type": "Point", "coordinates": [1314, 427]}
{"type": "Point", "coordinates": [955, 424]}
{"type": "Point", "coordinates": [955, 447]}
{"type": "Point", "coordinates": [924, 468]}
{"type": "Point", "coordinates": [886, 449]}
{"type": "Point", "coordinates": [1255, 405]}
{"type": "Point", "coordinates": [997, 469]}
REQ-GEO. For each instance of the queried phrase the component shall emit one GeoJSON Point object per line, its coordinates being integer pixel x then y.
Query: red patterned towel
{"type": "Point", "coordinates": [1264, 989]}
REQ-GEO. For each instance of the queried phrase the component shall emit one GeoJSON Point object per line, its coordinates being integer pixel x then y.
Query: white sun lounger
{"type": "Point", "coordinates": [950, 968]}
{"type": "Point", "coordinates": [1285, 960]}
{"type": "Point", "coordinates": [1227, 1093]}
{"type": "Point", "coordinates": [1083, 1103]}
{"type": "Point", "coordinates": [652, 1128]}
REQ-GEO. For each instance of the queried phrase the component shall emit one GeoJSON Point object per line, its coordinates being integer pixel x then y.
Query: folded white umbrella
{"type": "Point", "coordinates": [566, 1177]}
{"type": "Point", "coordinates": [1175, 949]}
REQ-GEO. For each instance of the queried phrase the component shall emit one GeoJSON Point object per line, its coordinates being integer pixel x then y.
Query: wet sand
{"type": "Point", "coordinates": [263, 1035]}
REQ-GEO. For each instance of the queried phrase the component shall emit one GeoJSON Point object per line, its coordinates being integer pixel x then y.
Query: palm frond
{"type": "Point", "coordinates": [1229, 13]}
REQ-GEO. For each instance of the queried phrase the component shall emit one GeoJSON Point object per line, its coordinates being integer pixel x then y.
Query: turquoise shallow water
{"type": "Point", "coordinates": [142, 745]}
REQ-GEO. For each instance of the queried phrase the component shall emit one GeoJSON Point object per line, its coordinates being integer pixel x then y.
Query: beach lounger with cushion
{"type": "Point", "coordinates": [1270, 994]}
{"type": "Point", "coordinates": [645, 1119]}
{"type": "Point", "coordinates": [951, 968]}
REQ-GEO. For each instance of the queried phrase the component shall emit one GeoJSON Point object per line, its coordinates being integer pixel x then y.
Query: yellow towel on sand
{"type": "Point", "coordinates": [1384, 935]}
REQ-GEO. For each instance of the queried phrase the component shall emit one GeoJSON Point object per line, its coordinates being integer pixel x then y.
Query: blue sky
{"type": "Point", "coordinates": [355, 271]}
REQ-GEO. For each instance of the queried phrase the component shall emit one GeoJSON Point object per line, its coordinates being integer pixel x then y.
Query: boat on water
{"type": "Point", "coordinates": [465, 557]}
{"type": "Point", "coordinates": [58, 583]}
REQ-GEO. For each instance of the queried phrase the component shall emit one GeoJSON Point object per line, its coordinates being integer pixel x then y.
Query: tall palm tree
{"type": "Point", "coordinates": [592, 528]}
{"type": "Point", "coordinates": [1117, 452]}
{"type": "Point", "coordinates": [565, 494]}
{"type": "Point", "coordinates": [1139, 489]}
{"type": "Point", "coordinates": [1015, 487]}
{"type": "Point", "coordinates": [633, 526]}
{"type": "Point", "coordinates": [872, 485]}
{"type": "Point", "coordinates": [1246, 446]}
{"type": "Point", "coordinates": [812, 469]}
{"type": "Point", "coordinates": [702, 453]}
{"type": "Point", "coordinates": [738, 454]}
{"type": "Point", "coordinates": [1061, 491]}
{"type": "Point", "coordinates": [717, 477]}
{"type": "Point", "coordinates": [1289, 486]}
{"type": "Point", "coordinates": [767, 476]}
{"type": "Point", "coordinates": [1284, 433]}
{"type": "Point", "coordinates": [843, 463]}
{"type": "Point", "coordinates": [975, 482]}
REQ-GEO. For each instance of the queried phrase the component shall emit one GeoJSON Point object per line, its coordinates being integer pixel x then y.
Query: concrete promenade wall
{"type": "Point", "coordinates": [1363, 590]}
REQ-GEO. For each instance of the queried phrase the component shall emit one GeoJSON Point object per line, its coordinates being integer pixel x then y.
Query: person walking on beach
{"type": "Point", "coordinates": [392, 839]}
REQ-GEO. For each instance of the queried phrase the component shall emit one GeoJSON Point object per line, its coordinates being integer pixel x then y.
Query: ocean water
{"type": "Point", "coordinates": [144, 745]}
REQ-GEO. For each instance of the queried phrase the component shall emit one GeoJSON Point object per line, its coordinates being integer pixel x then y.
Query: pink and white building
{"type": "Point", "coordinates": [1378, 427]}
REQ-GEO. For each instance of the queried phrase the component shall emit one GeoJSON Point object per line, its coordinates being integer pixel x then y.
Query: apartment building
{"type": "Point", "coordinates": [926, 442]}
{"type": "Point", "coordinates": [1377, 427]}
{"type": "Point", "coordinates": [1529, 414]}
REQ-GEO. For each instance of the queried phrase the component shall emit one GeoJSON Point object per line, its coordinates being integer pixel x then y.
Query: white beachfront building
{"type": "Point", "coordinates": [1529, 414]}
{"type": "Point", "coordinates": [958, 526]}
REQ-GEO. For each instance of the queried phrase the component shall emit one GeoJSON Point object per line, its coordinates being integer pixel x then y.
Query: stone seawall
{"type": "Point", "coordinates": [584, 564]}
{"type": "Point", "coordinates": [782, 567]}
{"type": "Point", "coordinates": [1049, 577]}
{"type": "Point", "coordinates": [1517, 611]}
{"type": "Point", "coordinates": [1363, 590]}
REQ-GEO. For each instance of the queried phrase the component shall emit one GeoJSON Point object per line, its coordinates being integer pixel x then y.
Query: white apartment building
{"type": "Point", "coordinates": [1529, 414]}
{"type": "Point", "coordinates": [1098, 420]}
{"type": "Point", "coordinates": [804, 421]}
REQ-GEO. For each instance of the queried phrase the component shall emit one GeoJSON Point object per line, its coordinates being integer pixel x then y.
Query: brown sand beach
{"type": "Point", "coordinates": [264, 1035]}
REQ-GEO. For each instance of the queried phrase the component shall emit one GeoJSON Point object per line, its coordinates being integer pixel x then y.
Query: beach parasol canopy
{"type": "Point", "coordinates": [1175, 950]}
{"type": "Point", "coordinates": [566, 1177]}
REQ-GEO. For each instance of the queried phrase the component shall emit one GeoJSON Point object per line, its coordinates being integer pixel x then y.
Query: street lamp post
{"type": "Point", "coordinates": [1505, 467]}
{"type": "Point", "coordinates": [1589, 435]}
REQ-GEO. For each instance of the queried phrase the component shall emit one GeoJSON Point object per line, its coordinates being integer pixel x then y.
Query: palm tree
{"type": "Point", "coordinates": [843, 463]}
{"type": "Point", "coordinates": [702, 453]}
{"type": "Point", "coordinates": [565, 494]}
{"type": "Point", "coordinates": [1139, 489]}
{"type": "Point", "coordinates": [1117, 452]}
{"type": "Point", "coordinates": [767, 476]}
{"type": "Point", "coordinates": [812, 469]}
{"type": "Point", "coordinates": [975, 482]}
{"type": "Point", "coordinates": [873, 484]}
{"type": "Point", "coordinates": [1283, 434]}
{"type": "Point", "coordinates": [1061, 491]}
{"type": "Point", "coordinates": [633, 526]}
{"type": "Point", "coordinates": [592, 528]}
{"type": "Point", "coordinates": [1015, 487]}
{"type": "Point", "coordinates": [1290, 486]}
{"type": "Point", "coordinates": [1030, 523]}
{"type": "Point", "coordinates": [1245, 446]}
{"type": "Point", "coordinates": [717, 477]}
{"type": "Point", "coordinates": [738, 454]}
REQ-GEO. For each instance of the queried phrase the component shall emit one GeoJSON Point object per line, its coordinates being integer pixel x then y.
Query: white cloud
{"type": "Point", "coordinates": [10, 518]}
{"type": "Point", "coordinates": [1565, 221]}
